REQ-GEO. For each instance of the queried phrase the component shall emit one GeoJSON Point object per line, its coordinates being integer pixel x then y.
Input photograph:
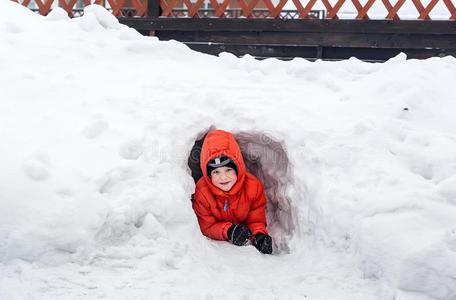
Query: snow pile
{"type": "Point", "coordinates": [96, 125]}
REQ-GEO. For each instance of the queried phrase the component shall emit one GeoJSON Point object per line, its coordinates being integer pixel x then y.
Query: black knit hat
{"type": "Point", "coordinates": [221, 161]}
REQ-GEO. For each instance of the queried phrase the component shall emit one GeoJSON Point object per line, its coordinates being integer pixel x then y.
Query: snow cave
{"type": "Point", "coordinates": [266, 158]}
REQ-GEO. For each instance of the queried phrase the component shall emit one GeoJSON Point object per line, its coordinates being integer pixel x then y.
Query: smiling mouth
{"type": "Point", "coordinates": [224, 183]}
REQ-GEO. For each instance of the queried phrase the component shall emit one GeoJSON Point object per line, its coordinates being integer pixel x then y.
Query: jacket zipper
{"type": "Point", "coordinates": [227, 211]}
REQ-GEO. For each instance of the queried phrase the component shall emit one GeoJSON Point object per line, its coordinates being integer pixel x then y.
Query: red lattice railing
{"type": "Point", "coordinates": [246, 7]}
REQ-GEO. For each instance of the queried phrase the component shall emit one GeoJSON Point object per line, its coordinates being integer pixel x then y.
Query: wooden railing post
{"type": "Point", "coordinates": [153, 8]}
{"type": "Point", "coordinates": [153, 11]}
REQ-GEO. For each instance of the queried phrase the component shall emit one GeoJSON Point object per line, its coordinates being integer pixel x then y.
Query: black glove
{"type": "Point", "coordinates": [263, 243]}
{"type": "Point", "coordinates": [239, 234]}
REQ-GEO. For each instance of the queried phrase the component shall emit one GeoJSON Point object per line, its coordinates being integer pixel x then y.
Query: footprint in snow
{"type": "Point", "coordinates": [95, 129]}
{"type": "Point", "coordinates": [451, 239]}
{"type": "Point", "coordinates": [13, 28]}
{"type": "Point", "coordinates": [447, 189]}
{"type": "Point", "coordinates": [131, 150]}
{"type": "Point", "coordinates": [37, 168]}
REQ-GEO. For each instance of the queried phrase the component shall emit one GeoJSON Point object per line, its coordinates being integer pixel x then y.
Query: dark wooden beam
{"type": "Point", "coordinates": [313, 53]}
{"type": "Point", "coordinates": [312, 39]}
{"type": "Point", "coordinates": [294, 25]}
{"type": "Point", "coordinates": [330, 39]}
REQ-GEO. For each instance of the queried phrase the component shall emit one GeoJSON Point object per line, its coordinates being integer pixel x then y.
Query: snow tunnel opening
{"type": "Point", "coordinates": [266, 158]}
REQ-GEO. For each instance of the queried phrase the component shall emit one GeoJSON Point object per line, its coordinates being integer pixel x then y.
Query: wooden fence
{"type": "Point", "coordinates": [241, 27]}
{"type": "Point", "coordinates": [139, 8]}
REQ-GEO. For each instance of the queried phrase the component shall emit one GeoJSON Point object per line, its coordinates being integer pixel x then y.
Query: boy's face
{"type": "Point", "coordinates": [224, 178]}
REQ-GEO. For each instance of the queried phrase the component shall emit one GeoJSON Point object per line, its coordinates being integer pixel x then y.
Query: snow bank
{"type": "Point", "coordinates": [96, 125]}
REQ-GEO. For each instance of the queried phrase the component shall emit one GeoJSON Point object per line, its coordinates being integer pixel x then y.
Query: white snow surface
{"type": "Point", "coordinates": [96, 125]}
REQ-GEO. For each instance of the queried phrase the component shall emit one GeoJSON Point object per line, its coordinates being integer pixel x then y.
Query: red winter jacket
{"type": "Point", "coordinates": [246, 201]}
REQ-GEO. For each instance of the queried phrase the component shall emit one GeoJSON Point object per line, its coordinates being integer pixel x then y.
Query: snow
{"type": "Point", "coordinates": [96, 125]}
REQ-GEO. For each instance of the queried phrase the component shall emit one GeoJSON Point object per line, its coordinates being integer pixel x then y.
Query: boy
{"type": "Point", "coordinates": [229, 202]}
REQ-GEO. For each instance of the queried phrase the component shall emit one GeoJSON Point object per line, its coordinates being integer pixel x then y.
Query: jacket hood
{"type": "Point", "coordinates": [222, 143]}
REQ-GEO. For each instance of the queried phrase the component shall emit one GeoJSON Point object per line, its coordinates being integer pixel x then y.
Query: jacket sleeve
{"type": "Point", "coordinates": [256, 219]}
{"type": "Point", "coordinates": [207, 221]}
